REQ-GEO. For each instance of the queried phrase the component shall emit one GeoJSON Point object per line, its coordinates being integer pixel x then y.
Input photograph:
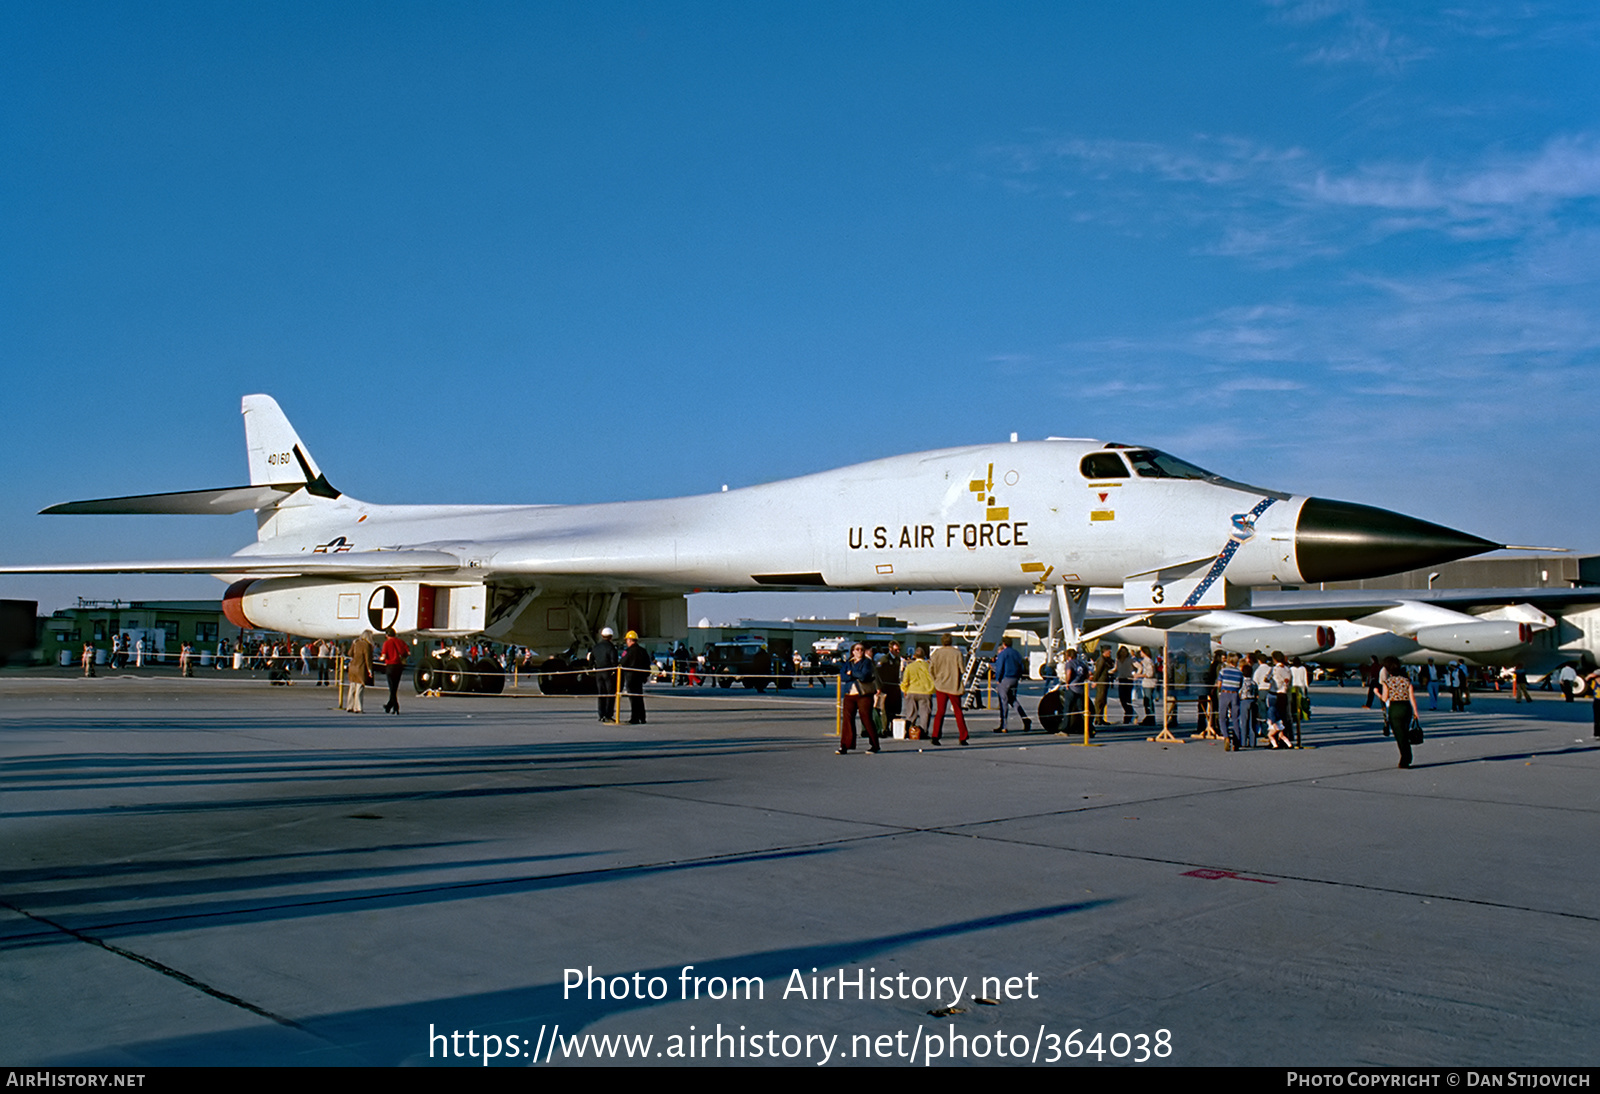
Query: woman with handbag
{"type": "Point", "coordinates": [1399, 707]}
{"type": "Point", "coordinates": [859, 685]}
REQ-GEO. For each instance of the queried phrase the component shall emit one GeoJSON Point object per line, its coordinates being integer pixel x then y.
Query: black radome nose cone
{"type": "Point", "coordinates": [1341, 541]}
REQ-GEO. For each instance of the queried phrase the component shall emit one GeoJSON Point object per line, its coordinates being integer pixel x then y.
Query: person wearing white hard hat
{"type": "Point", "coordinates": [604, 659]}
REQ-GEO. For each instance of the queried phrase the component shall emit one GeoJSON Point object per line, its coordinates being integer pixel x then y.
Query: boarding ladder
{"type": "Point", "coordinates": [991, 611]}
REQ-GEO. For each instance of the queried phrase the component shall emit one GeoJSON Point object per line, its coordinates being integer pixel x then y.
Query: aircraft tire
{"type": "Point", "coordinates": [549, 682]}
{"type": "Point", "coordinates": [724, 681]}
{"type": "Point", "coordinates": [427, 670]}
{"type": "Point", "coordinates": [453, 675]}
{"type": "Point", "coordinates": [491, 677]}
{"type": "Point", "coordinates": [1050, 711]}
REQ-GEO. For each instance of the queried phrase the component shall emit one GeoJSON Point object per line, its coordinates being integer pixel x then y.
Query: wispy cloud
{"type": "Point", "coordinates": [1419, 357]}
{"type": "Point", "coordinates": [1503, 195]}
{"type": "Point", "coordinates": [1350, 32]}
{"type": "Point", "coordinates": [1388, 38]}
{"type": "Point", "coordinates": [1430, 305]}
{"type": "Point", "coordinates": [1486, 311]}
{"type": "Point", "coordinates": [1280, 206]}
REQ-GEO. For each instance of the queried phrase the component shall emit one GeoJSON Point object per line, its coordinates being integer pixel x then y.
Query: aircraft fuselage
{"type": "Point", "coordinates": [998, 515]}
{"type": "Point", "coordinates": [1055, 514]}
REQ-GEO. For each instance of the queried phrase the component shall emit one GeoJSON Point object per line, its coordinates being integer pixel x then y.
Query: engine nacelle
{"type": "Point", "coordinates": [1293, 640]}
{"type": "Point", "coordinates": [1475, 638]}
{"type": "Point", "coordinates": [319, 608]}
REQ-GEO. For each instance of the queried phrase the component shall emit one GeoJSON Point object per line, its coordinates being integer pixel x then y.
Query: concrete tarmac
{"type": "Point", "coordinates": [214, 871]}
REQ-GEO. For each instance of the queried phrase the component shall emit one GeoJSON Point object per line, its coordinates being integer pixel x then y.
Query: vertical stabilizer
{"type": "Point", "coordinates": [277, 456]}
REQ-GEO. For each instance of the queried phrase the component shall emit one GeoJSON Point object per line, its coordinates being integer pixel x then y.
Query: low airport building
{"type": "Point", "coordinates": [165, 625]}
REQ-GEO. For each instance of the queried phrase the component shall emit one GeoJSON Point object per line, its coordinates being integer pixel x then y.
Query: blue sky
{"type": "Point", "coordinates": [599, 251]}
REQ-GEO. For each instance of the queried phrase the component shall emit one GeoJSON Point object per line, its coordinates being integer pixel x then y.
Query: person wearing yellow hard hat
{"type": "Point", "coordinates": [635, 671]}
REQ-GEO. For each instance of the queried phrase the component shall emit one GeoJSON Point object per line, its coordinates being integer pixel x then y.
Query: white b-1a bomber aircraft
{"type": "Point", "coordinates": [1055, 516]}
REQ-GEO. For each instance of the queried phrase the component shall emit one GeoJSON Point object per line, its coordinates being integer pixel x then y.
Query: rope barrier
{"type": "Point", "coordinates": [1207, 729]}
{"type": "Point", "coordinates": [1092, 708]}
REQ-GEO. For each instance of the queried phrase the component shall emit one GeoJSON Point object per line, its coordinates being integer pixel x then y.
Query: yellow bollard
{"type": "Point", "coordinates": [1088, 709]}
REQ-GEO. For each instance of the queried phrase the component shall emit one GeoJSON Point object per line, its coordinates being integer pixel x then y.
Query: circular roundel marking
{"type": "Point", "coordinates": [1011, 478]}
{"type": "Point", "coordinates": [383, 607]}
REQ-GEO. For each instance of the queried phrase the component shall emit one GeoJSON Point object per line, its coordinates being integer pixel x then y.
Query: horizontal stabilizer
{"type": "Point", "coordinates": [352, 563]}
{"type": "Point", "coordinates": [232, 499]}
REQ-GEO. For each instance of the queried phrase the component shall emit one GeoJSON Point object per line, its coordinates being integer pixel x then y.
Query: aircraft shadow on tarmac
{"type": "Point", "coordinates": [1337, 726]}
{"type": "Point", "coordinates": [1544, 754]}
{"type": "Point", "coordinates": [352, 799]}
{"type": "Point", "coordinates": [398, 1034]}
{"type": "Point", "coordinates": [121, 882]}
{"type": "Point", "coordinates": [90, 771]}
{"type": "Point", "coordinates": [520, 753]}
{"type": "Point", "coordinates": [183, 915]}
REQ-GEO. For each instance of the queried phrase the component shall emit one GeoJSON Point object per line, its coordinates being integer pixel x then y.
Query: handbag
{"type": "Point", "coordinates": [1414, 734]}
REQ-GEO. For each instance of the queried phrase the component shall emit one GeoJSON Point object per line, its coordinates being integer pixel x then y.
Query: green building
{"type": "Point", "coordinates": [165, 625]}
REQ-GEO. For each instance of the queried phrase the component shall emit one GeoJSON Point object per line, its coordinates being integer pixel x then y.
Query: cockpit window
{"type": "Point", "coordinates": [1151, 464]}
{"type": "Point", "coordinates": [1103, 465]}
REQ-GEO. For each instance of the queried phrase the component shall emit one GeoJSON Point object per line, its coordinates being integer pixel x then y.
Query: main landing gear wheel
{"type": "Point", "coordinates": [1051, 709]}
{"type": "Point", "coordinates": [452, 675]}
{"type": "Point", "coordinates": [425, 678]}
{"type": "Point", "coordinates": [550, 682]}
{"type": "Point", "coordinates": [491, 678]}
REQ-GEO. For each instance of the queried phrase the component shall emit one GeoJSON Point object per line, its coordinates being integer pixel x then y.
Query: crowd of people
{"type": "Point", "coordinates": [1455, 676]}
{"type": "Point", "coordinates": [880, 687]}
{"type": "Point", "coordinates": [1249, 700]}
